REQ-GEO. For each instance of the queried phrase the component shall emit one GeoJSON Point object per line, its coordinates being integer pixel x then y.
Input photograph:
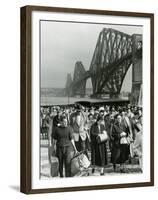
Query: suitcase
{"type": "Point", "coordinates": [54, 166]}
{"type": "Point", "coordinates": [83, 173]}
{"type": "Point", "coordinates": [51, 152]}
{"type": "Point", "coordinates": [79, 163]}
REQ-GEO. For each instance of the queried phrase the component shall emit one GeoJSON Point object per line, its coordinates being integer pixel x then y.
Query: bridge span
{"type": "Point", "coordinates": [114, 53]}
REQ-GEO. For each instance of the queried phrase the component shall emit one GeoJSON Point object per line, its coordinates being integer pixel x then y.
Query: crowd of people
{"type": "Point", "coordinates": [98, 130]}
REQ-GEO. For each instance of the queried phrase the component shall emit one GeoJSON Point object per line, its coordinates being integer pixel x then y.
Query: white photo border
{"type": "Point", "coordinates": [38, 183]}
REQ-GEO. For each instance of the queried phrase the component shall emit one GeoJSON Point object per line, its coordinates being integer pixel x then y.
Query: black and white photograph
{"type": "Point", "coordinates": [90, 99]}
{"type": "Point", "coordinates": [87, 94]}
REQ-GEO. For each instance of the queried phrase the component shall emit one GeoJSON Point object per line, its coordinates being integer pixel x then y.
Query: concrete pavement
{"type": "Point", "coordinates": [45, 166]}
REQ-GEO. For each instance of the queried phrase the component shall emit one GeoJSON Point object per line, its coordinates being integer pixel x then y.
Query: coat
{"type": "Point", "coordinates": [120, 152]}
{"type": "Point", "coordinates": [137, 146]}
{"type": "Point", "coordinates": [99, 150]}
{"type": "Point", "coordinates": [78, 129]}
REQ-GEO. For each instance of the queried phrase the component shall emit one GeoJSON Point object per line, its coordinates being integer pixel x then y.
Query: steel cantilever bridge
{"type": "Point", "coordinates": [114, 53]}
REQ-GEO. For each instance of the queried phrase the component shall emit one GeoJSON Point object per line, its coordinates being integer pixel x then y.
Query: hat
{"type": "Point", "coordinates": [101, 109]}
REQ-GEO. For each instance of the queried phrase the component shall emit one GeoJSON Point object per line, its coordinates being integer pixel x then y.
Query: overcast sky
{"type": "Point", "coordinates": [64, 43]}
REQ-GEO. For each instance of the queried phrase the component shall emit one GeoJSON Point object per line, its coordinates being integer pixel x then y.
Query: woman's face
{"type": "Point", "coordinates": [64, 123]}
{"type": "Point", "coordinates": [119, 118]}
{"type": "Point", "coordinates": [90, 117]}
{"type": "Point", "coordinates": [129, 110]}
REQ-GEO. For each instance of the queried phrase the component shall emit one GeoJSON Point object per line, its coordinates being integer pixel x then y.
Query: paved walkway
{"type": "Point", "coordinates": [45, 166]}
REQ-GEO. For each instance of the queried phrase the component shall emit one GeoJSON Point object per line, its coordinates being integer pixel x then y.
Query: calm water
{"type": "Point", "coordinates": [52, 96]}
{"type": "Point", "coordinates": [72, 100]}
{"type": "Point", "coordinates": [63, 100]}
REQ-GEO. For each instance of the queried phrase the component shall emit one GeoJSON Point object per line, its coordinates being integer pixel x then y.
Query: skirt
{"type": "Point", "coordinates": [99, 154]}
{"type": "Point", "coordinates": [120, 154]}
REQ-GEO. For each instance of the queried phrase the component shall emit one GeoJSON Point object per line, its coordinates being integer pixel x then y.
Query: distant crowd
{"type": "Point", "coordinates": [98, 130]}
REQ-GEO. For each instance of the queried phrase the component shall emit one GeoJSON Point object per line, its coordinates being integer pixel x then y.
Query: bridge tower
{"type": "Point", "coordinates": [114, 54]}
{"type": "Point", "coordinates": [137, 67]}
{"type": "Point", "coordinates": [79, 84]}
{"type": "Point", "coordinates": [111, 60]}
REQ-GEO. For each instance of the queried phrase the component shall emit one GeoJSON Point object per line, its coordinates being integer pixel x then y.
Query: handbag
{"type": "Point", "coordinates": [102, 137]}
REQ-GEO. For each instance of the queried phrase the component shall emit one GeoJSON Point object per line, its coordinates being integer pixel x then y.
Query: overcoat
{"type": "Point", "coordinates": [99, 150]}
{"type": "Point", "coordinates": [78, 129]}
{"type": "Point", "coordinates": [119, 152]}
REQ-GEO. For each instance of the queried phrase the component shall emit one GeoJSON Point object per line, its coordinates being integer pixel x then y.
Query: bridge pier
{"type": "Point", "coordinates": [137, 69]}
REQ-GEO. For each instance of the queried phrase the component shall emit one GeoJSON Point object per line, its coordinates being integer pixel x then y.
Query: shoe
{"type": "Point", "coordinates": [122, 170]}
{"type": "Point", "coordinates": [114, 167]}
{"type": "Point", "coordinates": [102, 174]}
{"type": "Point", "coordinates": [93, 170]}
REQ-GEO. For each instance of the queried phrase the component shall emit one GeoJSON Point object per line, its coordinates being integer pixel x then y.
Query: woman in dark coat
{"type": "Point", "coordinates": [120, 146]}
{"type": "Point", "coordinates": [99, 151]}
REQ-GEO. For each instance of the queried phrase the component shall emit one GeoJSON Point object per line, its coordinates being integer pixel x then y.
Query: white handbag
{"type": "Point", "coordinates": [102, 137]}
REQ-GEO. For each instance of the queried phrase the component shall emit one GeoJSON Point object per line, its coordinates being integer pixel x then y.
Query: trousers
{"type": "Point", "coordinates": [65, 154]}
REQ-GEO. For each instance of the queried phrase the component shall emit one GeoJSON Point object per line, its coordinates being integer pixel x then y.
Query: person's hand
{"type": "Point", "coordinates": [76, 152]}
{"type": "Point", "coordinates": [123, 134]}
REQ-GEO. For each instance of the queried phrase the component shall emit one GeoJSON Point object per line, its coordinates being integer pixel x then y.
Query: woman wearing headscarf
{"type": "Point", "coordinates": [99, 151]}
{"type": "Point", "coordinates": [120, 146]}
